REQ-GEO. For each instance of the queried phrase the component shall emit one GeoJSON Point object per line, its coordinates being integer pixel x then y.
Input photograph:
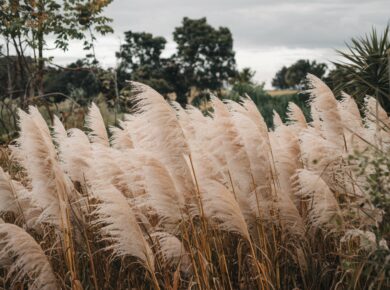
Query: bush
{"type": "Point", "coordinates": [266, 103]}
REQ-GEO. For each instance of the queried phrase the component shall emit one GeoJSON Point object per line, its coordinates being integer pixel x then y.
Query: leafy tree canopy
{"type": "Point", "coordinates": [244, 76]}
{"type": "Point", "coordinates": [140, 60]}
{"type": "Point", "coordinates": [204, 60]}
{"type": "Point", "coordinates": [25, 25]}
{"type": "Point", "coordinates": [140, 49]}
{"type": "Point", "coordinates": [292, 77]}
{"type": "Point", "coordinates": [206, 54]}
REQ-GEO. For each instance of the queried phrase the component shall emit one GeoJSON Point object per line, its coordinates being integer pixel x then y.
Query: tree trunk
{"type": "Point", "coordinates": [41, 62]}
{"type": "Point", "coordinates": [9, 77]}
{"type": "Point", "coordinates": [22, 80]}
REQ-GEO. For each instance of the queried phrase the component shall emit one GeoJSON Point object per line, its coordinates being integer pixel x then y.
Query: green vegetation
{"type": "Point", "coordinates": [27, 25]}
{"type": "Point", "coordinates": [292, 77]}
{"type": "Point", "coordinates": [204, 60]}
{"type": "Point", "coordinates": [366, 69]}
{"type": "Point", "coordinates": [268, 104]}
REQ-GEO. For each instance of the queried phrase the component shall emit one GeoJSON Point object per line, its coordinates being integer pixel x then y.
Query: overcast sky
{"type": "Point", "coordinates": [267, 33]}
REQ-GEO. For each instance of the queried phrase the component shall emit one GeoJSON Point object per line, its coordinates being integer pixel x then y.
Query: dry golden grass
{"type": "Point", "coordinates": [173, 199]}
{"type": "Point", "coordinates": [277, 93]}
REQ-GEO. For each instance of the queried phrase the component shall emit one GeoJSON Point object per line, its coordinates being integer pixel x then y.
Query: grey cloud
{"type": "Point", "coordinates": [298, 23]}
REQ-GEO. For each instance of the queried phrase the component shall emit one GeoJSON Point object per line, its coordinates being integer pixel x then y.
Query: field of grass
{"type": "Point", "coordinates": [173, 199]}
{"type": "Point", "coordinates": [277, 93]}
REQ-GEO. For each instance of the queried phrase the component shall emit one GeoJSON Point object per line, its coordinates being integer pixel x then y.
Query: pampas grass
{"type": "Point", "coordinates": [175, 199]}
{"type": "Point", "coordinates": [27, 260]}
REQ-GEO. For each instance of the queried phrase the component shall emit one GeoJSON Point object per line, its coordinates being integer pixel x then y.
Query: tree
{"type": "Point", "coordinates": [12, 83]}
{"type": "Point", "coordinates": [140, 49]}
{"type": "Point", "coordinates": [140, 60]}
{"type": "Point", "coordinates": [77, 80]}
{"type": "Point", "coordinates": [205, 55]}
{"type": "Point", "coordinates": [294, 75]}
{"type": "Point", "coordinates": [204, 60]}
{"type": "Point", "coordinates": [366, 68]}
{"type": "Point", "coordinates": [244, 76]}
{"type": "Point", "coordinates": [29, 23]}
{"type": "Point", "coordinates": [279, 81]}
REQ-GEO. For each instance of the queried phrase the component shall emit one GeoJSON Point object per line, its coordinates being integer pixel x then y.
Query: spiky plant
{"type": "Point", "coordinates": [365, 69]}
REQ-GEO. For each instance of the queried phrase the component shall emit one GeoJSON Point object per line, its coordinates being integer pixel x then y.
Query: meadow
{"type": "Point", "coordinates": [172, 198]}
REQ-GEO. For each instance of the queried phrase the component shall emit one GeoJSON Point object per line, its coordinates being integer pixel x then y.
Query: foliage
{"type": "Point", "coordinates": [27, 24]}
{"type": "Point", "coordinates": [244, 76]}
{"type": "Point", "coordinates": [266, 103]}
{"type": "Point", "coordinates": [77, 81]}
{"type": "Point", "coordinates": [279, 81]}
{"type": "Point", "coordinates": [204, 60]}
{"type": "Point", "coordinates": [140, 49]}
{"type": "Point", "coordinates": [292, 76]}
{"type": "Point", "coordinates": [374, 166]}
{"type": "Point", "coordinates": [205, 54]}
{"type": "Point", "coordinates": [365, 69]}
{"type": "Point", "coordinates": [140, 59]}
{"type": "Point", "coordinates": [12, 83]}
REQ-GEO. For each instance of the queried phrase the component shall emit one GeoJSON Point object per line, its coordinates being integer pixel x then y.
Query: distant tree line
{"type": "Point", "coordinates": [364, 70]}
{"type": "Point", "coordinates": [203, 62]}
{"type": "Point", "coordinates": [292, 77]}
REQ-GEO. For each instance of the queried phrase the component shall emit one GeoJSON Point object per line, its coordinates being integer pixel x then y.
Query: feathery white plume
{"type": "Point", "coordinates": [60, 133]}
{"type": "Point", "coordinates": [220, 206]}
{"type": "Point", "coordinates": [10, 194]}
{"type": "Point", "coordinates": [119, 225]}
{"type": "Point", "coordinates": [324, 210]}
{"type": "Point", "coordinates": [162, 193]}
{"type": "Point", "coordinates": [296, 116]}
{"type": "Point", "coordinates": [234, 153]}
{"type": "Point", "coordinates": [29, 261]}
{"type": "Point", "coordinates": [326, 104]}
{"type": "Point", "coordinates": [170, 247]}
{"type": "Point", "coordinates": [14, 197]}
{"type": "Point", "coordinates": [121, 138]}
{"type": "Point", "coordinates": [375, 113]}
{"type": "Point", "coordinates": [95, 123]}
{"type": "Point", "coordinates": [50, 186]}
{"type": "Point", "coordinates": [349, 113]}
{"type": "Point", "coordinates": [77, 163]}
{"type": "Point", "coordinates": [255, 115]}
{"type": "Point", "coordinates": [156, 123]}
{"type": "Point", "coordinates": [277, 120]}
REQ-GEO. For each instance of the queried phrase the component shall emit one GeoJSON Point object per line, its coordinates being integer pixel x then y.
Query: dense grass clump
{"type": "Point", "coordinates": [173, 199]}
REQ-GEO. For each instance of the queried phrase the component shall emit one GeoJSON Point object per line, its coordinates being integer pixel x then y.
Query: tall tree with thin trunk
{"type": "Point", "coordinates": [28, 24]}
